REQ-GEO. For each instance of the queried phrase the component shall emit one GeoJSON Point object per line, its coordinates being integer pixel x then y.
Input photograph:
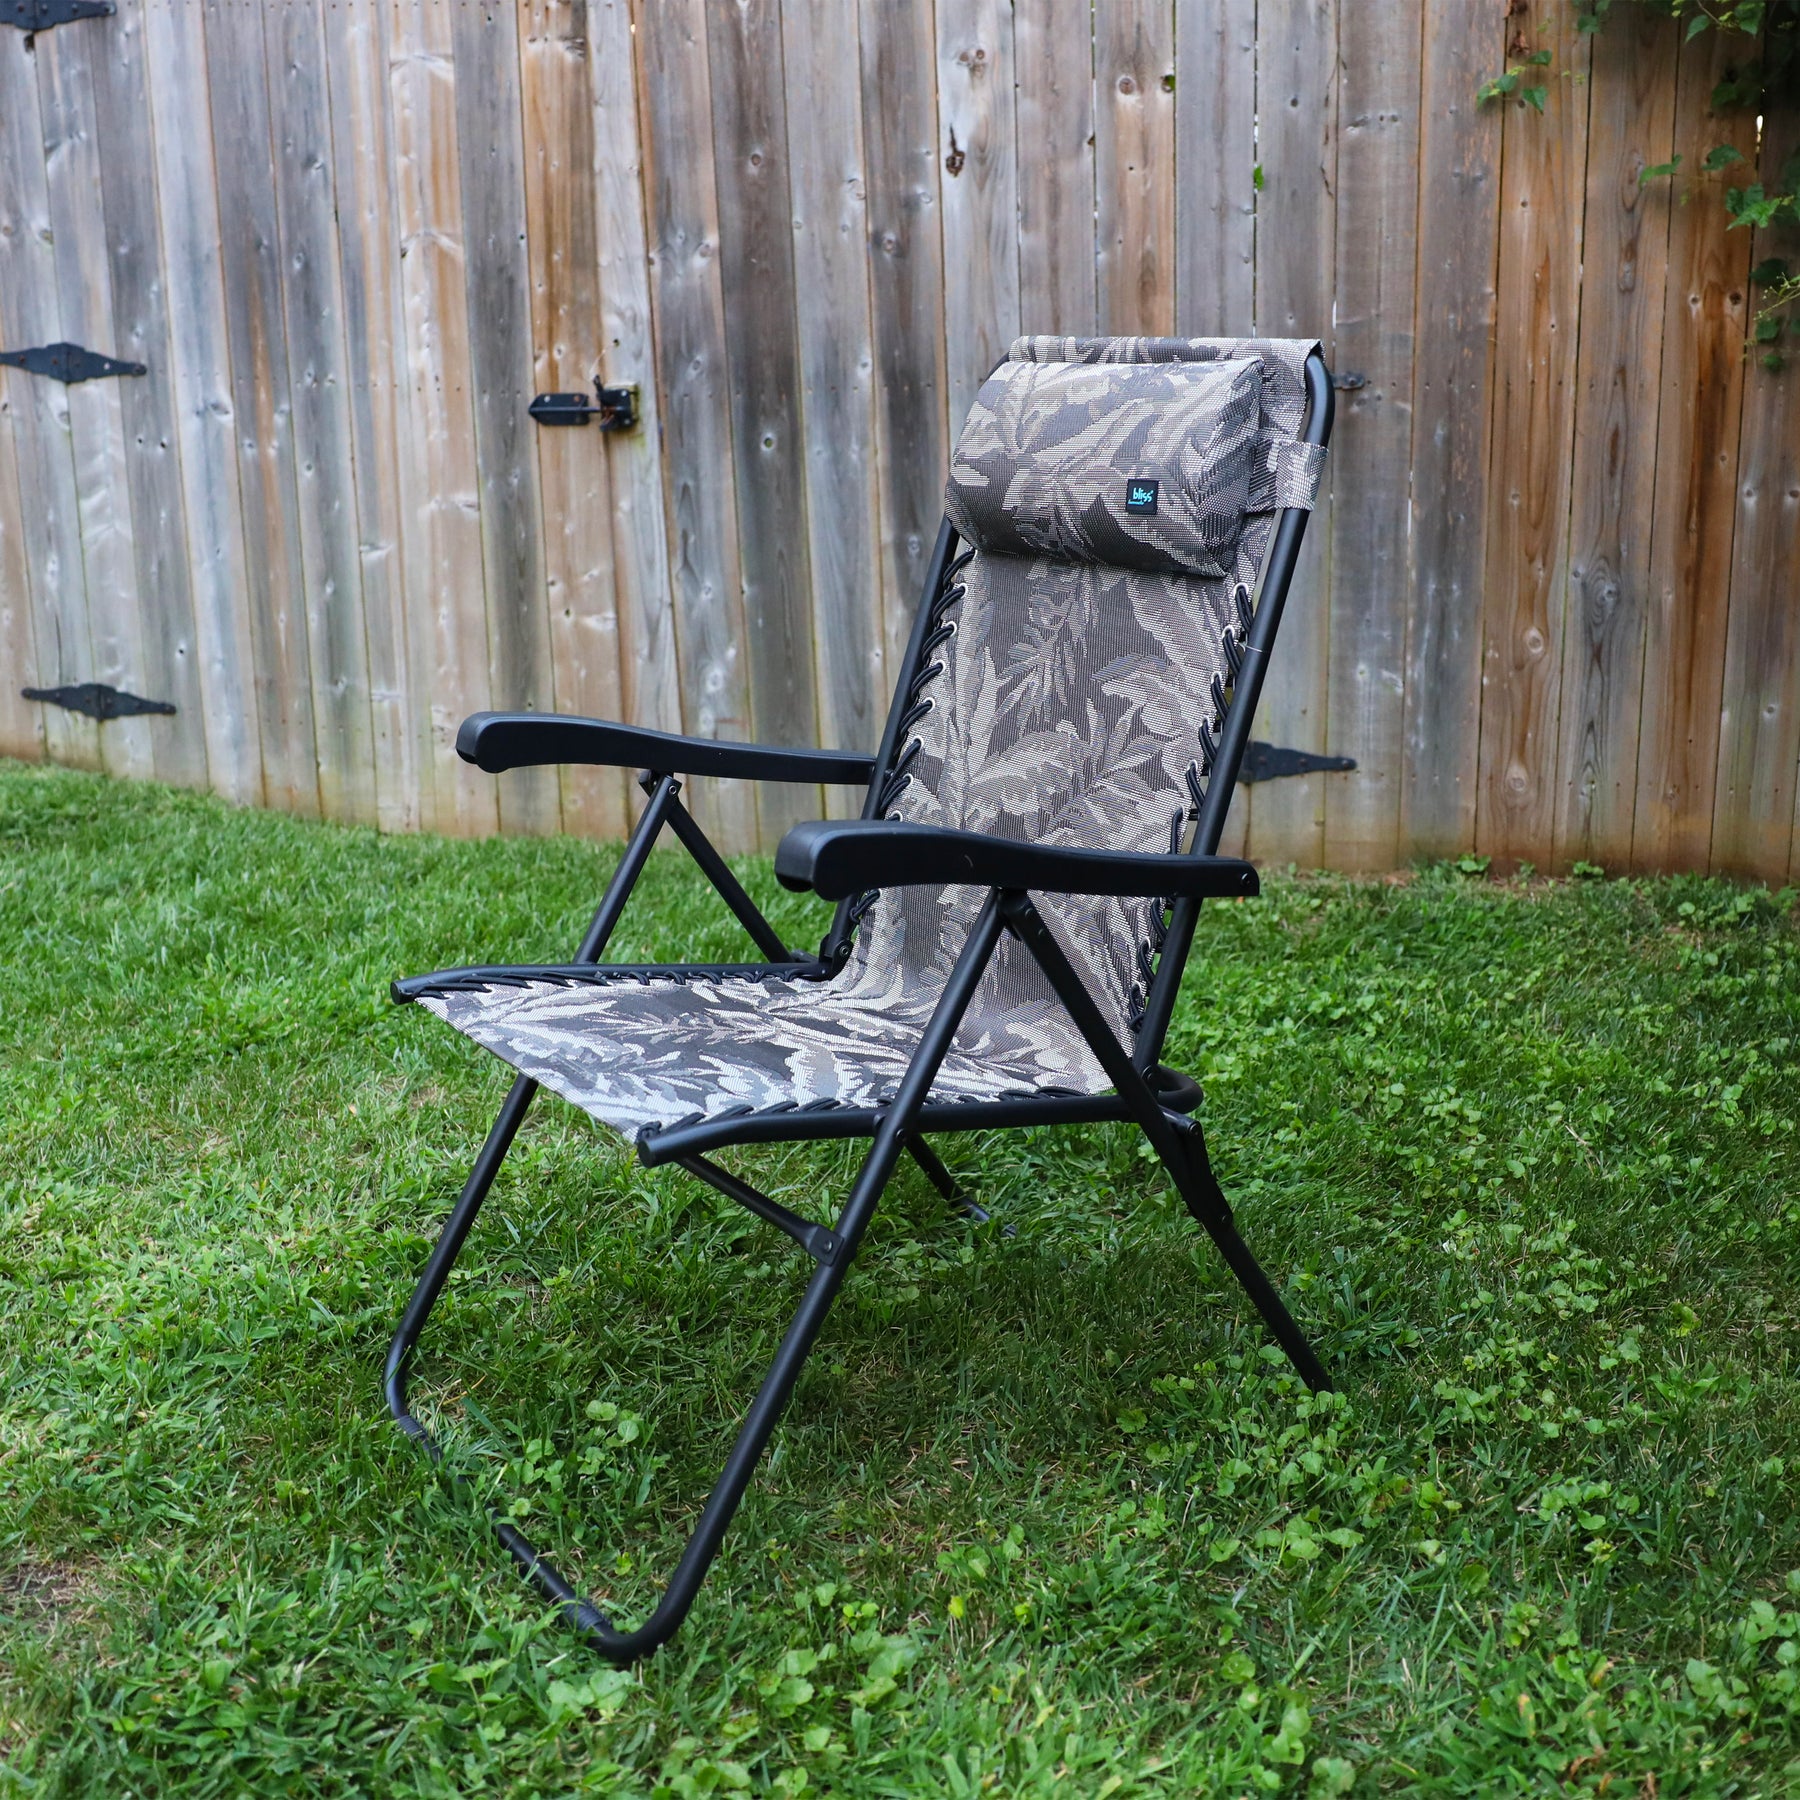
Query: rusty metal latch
{"type": "Point", "coordinates": [617, 410]}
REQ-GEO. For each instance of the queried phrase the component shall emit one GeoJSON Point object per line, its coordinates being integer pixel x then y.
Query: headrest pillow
{"type": "Point", "coordinates": [1139, 465]}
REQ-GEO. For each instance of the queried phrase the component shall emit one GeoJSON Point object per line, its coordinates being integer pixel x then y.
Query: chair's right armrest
{"type": "Point", "coordinates": [497, 741]}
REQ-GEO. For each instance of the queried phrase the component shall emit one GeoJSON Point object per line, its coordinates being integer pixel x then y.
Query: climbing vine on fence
{"type": "Point", "coordinates": [1768, 79]}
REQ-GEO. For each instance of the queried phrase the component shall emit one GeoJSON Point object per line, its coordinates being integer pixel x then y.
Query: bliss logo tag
{"type": "Point", "coordinates": [1140, 496]}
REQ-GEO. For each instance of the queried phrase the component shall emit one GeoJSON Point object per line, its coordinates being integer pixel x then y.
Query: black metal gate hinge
{"type": "Point", "coordinates": [68, 362]}
{"type": "Point", "coordinates": [1269, 762]}
{"type": "Point", "coordinates": [40, 15]}
{"type": "Point", "coordinates": [97, 700]}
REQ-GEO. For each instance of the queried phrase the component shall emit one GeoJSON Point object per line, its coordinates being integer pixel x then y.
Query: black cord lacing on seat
{"type": "Point", "coordinates": [897, 777]}
{"type": "Point", "coordinates": [1212, 730]}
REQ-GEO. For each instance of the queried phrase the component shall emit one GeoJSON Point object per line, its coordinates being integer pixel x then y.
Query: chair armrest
{"type": "Point", "coordinates": [498, 741]}
{"type": "Point", "coordinates": [837, 857]}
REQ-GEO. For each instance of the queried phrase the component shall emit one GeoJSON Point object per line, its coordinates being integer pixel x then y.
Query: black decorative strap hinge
{"type": "Point", "coordinates": [68, 362]}
{"type": "Point", "coordinates": [98, 700]}
{"type": "Point", "coordinates": [1268, 762]}
{"type": "Point", "coordinates": [617, 411]}
{"type": "Point", "coordinates": [40, 15]}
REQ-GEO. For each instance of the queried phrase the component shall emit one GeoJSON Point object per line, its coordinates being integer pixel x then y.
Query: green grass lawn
{"type": "Point", "coordinates": [1046, 1515]}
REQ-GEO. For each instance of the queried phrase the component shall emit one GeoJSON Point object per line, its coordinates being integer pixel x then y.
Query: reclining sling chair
{"type": "Point", "coordinates": [1017, 901]}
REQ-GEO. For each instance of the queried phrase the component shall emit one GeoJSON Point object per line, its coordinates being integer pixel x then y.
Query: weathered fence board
{"type": "Point", "coordinates": [200, 375]}
{"type": "Point", "coordinates": [1537, 331]}
{"type": "Point", "coordinates": [1546, 602]}
{"type": "Point", "coordinates": [1704, 317]}
{"type": "Point", "coordinates": [1297, 136]}
{"type": "Point", "coordinates": [1618, 378]}
{"type": "Point", "coordinates": [1452, 386]}
{"type": "Point", "coordinates": [168, 665]}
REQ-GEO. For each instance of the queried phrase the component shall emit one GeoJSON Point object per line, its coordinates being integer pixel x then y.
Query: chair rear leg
{"type": "Point", "coordinates": [945, 1183]}
{"type": "Point", "coordinates": [1205, 1199]}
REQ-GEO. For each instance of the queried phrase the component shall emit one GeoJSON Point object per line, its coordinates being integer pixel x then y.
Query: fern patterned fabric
{"type": "Point", "coordinates": [1057, 701]}
{"type": "Point", "coordinates": [1137, 465]}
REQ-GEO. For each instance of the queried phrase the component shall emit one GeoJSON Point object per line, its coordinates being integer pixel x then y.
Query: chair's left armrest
{"type": "Point", "coordinates": [499, 741]}
{"type": "Point", "coordinates": [837, 857]}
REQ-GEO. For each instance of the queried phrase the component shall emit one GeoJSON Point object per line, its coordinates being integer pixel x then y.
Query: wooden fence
{"type": "Point", "coordinates": [1548, 605]}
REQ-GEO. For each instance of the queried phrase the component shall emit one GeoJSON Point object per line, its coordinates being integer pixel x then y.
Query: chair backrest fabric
{"type": "Point", "coordinates": [1069, 666]}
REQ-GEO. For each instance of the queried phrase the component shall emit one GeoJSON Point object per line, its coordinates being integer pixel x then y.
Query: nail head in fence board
{"type": "Point", "coordinates": [647, 672]}
{"type": "Point", "coordinates": [1053, 48]}
{"type": "Point", "coordinates": [837, 361]}
{"type": "Point", "coordinates": [1215, 166]}
{"type": "Point", "coordinates": [170, 652]}
{"type": "Point", "coordinates": [368, 237]}
{"type": "Point", "coordinates": [1295, 250]}
{"type": "Point", "coordinates": [1706, 316]}
{"type": "Point", "coordinates": [979, 155]}
{"type": "Point", "coordinates": [563, 245]}
{"type": "Point", "coordinates": [690, 340]}
{"type": "Point", "coordinates": [306, 204]}
{"type": "Point", "coordinates": [906, 292]}
{"type": "Point", "coordinates": [1759, 731]}
{"type": "Point", "coordinates": [1459, 169]}
{"type": "Point", "coordinates": [762, 349]}
{"type": "Point", "coordinates": [1134, 165]}
{"type": "Point", "coordinates": [200, 372]}
{"type": "Point", "coordinates": [1618, 380]}
{"type": "Point", "coordinates": [443, 488]}
{"type": "Point", "coordinates": [498, 277]}
{"type": "Point", "coordinates": [30, 313]}
{"type": "Point", "coordinates": [96, 408]}
{"type": "Point", "coordinates": [1377, 243]}
{"type": "Point", "coordinates": [262, 405]}
{"type": "Point", "coordinates": [1537, 320]}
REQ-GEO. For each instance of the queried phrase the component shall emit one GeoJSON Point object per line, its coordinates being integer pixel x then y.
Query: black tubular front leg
{"type": "Point", "coordinates": [1174, 1139]}
{"type": "Point", "coordinates": [512, 1114]}
{"type": "Point", "coordinates": [778, 1385]}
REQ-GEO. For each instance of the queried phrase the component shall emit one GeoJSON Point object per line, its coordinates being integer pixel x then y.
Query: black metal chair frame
{"type": "Point", "coordinates": [839, 861]}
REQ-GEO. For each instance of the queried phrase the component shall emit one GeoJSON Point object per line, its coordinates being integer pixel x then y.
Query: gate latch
{"type": "Point", "coordinates": [617, 410]}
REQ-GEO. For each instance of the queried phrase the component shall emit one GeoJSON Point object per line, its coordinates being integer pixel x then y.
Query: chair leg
{"type": "Point", "coordinates": [1199, 1188]}
{"type": "Point", "coordinates": [833, 1258]}
{"type": "Point", "coordinates": [1175, 1138]}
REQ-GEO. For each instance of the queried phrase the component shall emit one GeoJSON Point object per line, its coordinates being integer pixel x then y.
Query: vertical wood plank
{"type": "Point", "coordinates": [1704, 321]}
{"type": "Point", "coordinates": [1377, 243]}
{"type": "Point", "coordinates": [756, 266]}
{"type": "Point", "coordinates": [566, 329]}
{"type": "Point", "coordinates": [1296, 86]}
{"type": "Point", "coordinates": [1053, 49]}
{"type": "Point", "coordinates": [30, 313]}
{"type": "Point", "coordinates": [21, 720]}
{"type": "Point", "coordinates": [262, 404]}
{"type": "Point", "coordinates": [200, 375]}
{"type": "Point", "coordinates": [1537, 320]}
{"type": "Point", "coordinates": [906, 285]}
{"type": "Point", "coordinates": [1459, 223]}
{"type": "Point", "coordinates": [498, 289]}
{"type": "Point", "coordinates": [1759, 728]}
{"type": "Point", "coordinates": [374, 340]}
{"type": "Point", "coordinates": [676, 111]}
{"type": "Point", "coordinates": [306, 205]}
{"type": "Point", "coordinates": [449, 648]}
{"type": "Point", "coordinates": [1618, 380]}
{"type": "Point", "coordinates": [96, 408]}
{"type": "Point", "coordinates": [1134, 165]}
{"type": "Point", "coordinates": [837, 367]}
{"type": "Point", "coordinates": [979, 152]}
{"type": "Point", "coordinates": [1215, 168]}
{"type": "Point", "coordinates": [168, 648]}
{"type": "Point", "coordinates": [647, 673]}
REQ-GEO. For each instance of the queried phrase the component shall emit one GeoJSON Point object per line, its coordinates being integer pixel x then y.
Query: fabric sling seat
{"type": "Point", "coordinates": [1015, 904]}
